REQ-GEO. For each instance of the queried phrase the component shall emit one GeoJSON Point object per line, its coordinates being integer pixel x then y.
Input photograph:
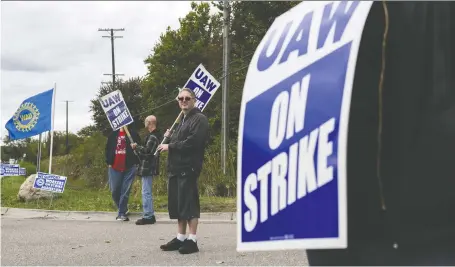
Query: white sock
{"type": "Point", "coordinates": [181, 237]}
{"type": "Point", "coordinates": [192, 237]}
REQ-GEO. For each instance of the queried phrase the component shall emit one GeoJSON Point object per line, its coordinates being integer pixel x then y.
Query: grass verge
{"type": "Point", "coordinates": [78, 197]}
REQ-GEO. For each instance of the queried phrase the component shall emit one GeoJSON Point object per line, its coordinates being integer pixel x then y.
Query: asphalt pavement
{"type": "Point", "coordinates": [47, 241]}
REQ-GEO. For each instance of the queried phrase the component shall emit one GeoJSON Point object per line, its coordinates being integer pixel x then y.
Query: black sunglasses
{"type": "Point", "coordinates": [187, 98]}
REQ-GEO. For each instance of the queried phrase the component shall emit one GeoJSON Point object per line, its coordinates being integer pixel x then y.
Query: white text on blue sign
{"type": "Point", "coordinates": [287, 119]}
{"type": "Point", "coordinates": [332, 24]}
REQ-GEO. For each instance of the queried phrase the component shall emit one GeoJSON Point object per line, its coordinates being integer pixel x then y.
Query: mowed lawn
{"type": "Point", "coordinates": [79, 197]}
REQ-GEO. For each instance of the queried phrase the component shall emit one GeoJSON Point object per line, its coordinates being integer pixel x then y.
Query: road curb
{"type": "Point", "coordinates": [161, 217]}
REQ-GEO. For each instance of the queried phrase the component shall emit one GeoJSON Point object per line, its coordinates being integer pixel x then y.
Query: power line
{"type": "Point", "coordinates": [216, 72]}
{"type": "Point", "coordinates": [112, 37]}
{"type": "Point", "coordinates": [220, 70]}
{"type": "Point", "coordinates": [173, 98]}
{"type": "Point", "coordinates": [237, 70]}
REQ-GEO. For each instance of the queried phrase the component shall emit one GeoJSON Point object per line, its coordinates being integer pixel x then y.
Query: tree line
{"type": "Point", "coordinates": [198, 39]}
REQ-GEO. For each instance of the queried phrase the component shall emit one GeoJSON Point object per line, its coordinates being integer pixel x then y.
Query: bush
{"type": "Point", "coordinates": [86, 162]}
{"type": "Point", "coordinates": [89, 160]}
{"type": "Point", "coordinates": [29, 167]}
{"type": "Point", "coordinates": [212, 181]}
{"type": "Point", "coordinates": [61, 165]}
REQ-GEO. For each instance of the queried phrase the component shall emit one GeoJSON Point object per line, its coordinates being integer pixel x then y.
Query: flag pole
{"type": "Point", "coordinates": [52, 127]}
{"type": "Point", "coordinates": [38, 160]}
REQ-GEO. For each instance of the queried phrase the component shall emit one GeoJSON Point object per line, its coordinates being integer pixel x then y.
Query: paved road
{"type": "Point", "coordinates": [62, 242]}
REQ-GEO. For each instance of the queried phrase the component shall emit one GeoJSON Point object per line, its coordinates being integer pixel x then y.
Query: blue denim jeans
{"type": "Point", "coordinates": [120, 185]}
{"type": "Point", "coordinates": [147, 199]}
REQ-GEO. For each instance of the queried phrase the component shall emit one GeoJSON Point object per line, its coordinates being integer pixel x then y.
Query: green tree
{"type": "Point", "coordinates": [175, 57]}
{"type": "Point", "coordinates": [87, 131]}
{"type": "Point", "coordinates": [250, 21]}
{"type": "Point", "coordinates": [28, 146]}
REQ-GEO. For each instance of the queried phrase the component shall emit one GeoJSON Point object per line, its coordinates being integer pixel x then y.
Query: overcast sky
{"type": "Point", "coordinates": [58, 41]}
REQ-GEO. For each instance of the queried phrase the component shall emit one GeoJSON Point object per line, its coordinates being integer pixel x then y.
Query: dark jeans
{"type": "Point", "coordinates": [375, 254]}
{"type": "Point", "coordinates": [120, 185]}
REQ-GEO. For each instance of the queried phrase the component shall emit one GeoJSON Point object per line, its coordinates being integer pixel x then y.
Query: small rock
{"type": "Point", "coordinates": [219, 262]}
{"type": "Point", "coordinates": [88, 217]}
{"type": "Point", "coordinates": [133, 256]}
{"type": "Point", "coordinates": [107, 241]}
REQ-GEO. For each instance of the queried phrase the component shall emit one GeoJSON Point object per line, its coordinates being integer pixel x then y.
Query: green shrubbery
{"type": "Point", "coordinates": [29, 167]}
{"type": "Point", "coordinates": [86, 162]}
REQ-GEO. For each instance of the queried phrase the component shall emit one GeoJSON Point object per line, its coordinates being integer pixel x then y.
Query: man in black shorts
{"type": "Point", "coordinates": [186, 154]}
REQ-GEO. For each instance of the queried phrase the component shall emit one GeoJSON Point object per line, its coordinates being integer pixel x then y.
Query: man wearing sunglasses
{"type": "Point", "coordinates": [186, 153]}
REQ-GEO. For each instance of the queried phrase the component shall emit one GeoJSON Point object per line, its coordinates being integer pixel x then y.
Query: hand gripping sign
{"type": "Point", "coordinates": [293, 129]}
{"type": "Point", "coordinates": [204, 87]}
{"type": "Point", "coordinates": [117, 112]}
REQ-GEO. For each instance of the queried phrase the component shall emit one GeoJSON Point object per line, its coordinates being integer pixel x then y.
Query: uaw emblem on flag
{"type": "Point", "coordinates": [32, 117]}
{"type": "Point", "coordinates": [26, 117]}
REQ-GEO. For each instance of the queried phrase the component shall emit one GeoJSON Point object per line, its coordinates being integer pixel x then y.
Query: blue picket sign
{"type": "Point", "coordinates": [293, 129]}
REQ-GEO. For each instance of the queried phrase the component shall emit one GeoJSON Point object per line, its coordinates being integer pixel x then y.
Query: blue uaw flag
{"type": "Point", "coordinates": [34, 116]}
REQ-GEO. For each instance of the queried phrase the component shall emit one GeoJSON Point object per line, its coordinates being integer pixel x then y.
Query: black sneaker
{"type": "Point", "coordinates": [189, 246]}
{"type": "Point", "coordinates": [122, 218]}
{"type": "Point", "coordinates": [172, 245]}
{"type": "Point", "coordinates": [143, 221]}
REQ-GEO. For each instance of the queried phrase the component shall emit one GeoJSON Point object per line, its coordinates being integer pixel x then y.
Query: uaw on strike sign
{"type": "Point", "coordinates": [203, 85]}
{"type": "Point", "coordinates": [116, 110]}
{"type": "Point", "coordinates": [293, 129]}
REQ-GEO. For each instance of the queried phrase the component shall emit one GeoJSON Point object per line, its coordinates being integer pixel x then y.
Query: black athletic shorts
{"type": "Point", "coordinates": [183, 196]}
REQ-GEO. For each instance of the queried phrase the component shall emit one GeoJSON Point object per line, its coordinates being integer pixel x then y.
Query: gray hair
{"type": "Point", "coordinates": [149, 119]}
{"type": "Point", "coordinates": [193, 95]}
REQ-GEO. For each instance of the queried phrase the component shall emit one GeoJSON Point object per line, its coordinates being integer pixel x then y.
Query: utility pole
{"type": "Point", "coordinates": [112, 37]}
{"type": "Point", "coordinates": [67, 146]}
{"type": "Point", "coordinates": [225, 106]}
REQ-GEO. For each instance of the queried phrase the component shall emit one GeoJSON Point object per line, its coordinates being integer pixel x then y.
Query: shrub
{"type": "Point", "coordinates": [29, 167]}
{"type": "Point", "coordinates": [212, 181]}
{"type": "Point", "coordinates": [86, 162]}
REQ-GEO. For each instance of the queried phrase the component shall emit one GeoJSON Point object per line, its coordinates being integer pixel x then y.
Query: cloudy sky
{"type": "Point", "coordinates": [58, 41]}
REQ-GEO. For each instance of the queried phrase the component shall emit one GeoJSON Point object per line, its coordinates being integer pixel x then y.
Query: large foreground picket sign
{"type": "Point", "coordinates": [293, 129]}
{"type": "Point", "coordinates": [204, 86]}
